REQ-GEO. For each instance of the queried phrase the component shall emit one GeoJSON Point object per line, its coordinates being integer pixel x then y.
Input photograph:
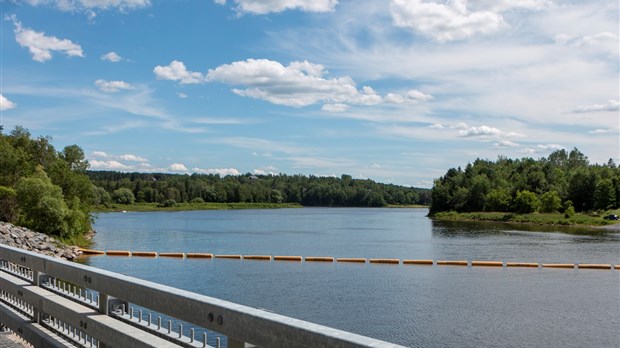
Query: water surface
{"type": "Point", "coordinates": [410, 305]}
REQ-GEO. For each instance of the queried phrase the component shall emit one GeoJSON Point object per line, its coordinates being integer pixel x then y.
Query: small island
{"type": "Point", "coordinates": [561, 189]}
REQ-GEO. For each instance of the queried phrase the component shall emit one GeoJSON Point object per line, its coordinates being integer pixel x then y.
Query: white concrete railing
{"type": "Point", "coordinates": [55, 303]}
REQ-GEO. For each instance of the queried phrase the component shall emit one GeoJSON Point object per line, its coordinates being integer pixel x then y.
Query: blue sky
{"type": "Point", "coordinates": [393, 90]}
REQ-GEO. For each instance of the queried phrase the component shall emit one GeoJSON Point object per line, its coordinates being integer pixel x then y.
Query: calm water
{"type": "Point", "coordinates": [410, 305]}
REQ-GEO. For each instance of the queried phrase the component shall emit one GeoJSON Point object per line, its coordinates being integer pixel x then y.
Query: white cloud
{"type": "Point", "coordinates": [486, 132]}
{"type": "Point", "coordinates": [42, 46]}
{"type": "Point", "coordinates": [605, 131]}
{"type": "Point", "coordinates": [132, 158]}
{"type": "Point", "coordinates": [177, 167]}
{"type": "Point", "coordinates": [268, 170]}
{"type": "Point", "coordinates": [112, 86]}
{"type": "Point", "coordinates": [412, 96]}
{"type": "Point", "coordinates": [612, 105]}
{"type": "Point", "coordinates": [100, 154]}
{"type": "Point", "coordinates": [6, 104]}
{"type": "Point", "coordinates": [108, 165]}
{"type": "Point", "coordinates": [268, 6]}
{"type": "Point", "coordinates": [543, 148]}
{"type": "Point", "coordinates": [176, 71]}
{"type": "Point", "coordinates": [505, 143]}
{"type": "Point", "coordinates": [219, 171]}
{"type": "Point", "coordinates": [182, 95]}
{"type": "Point", "coordinates": [112, 57]}
{"type": "Point", "coordinates": [335, 107]}
{"type": "Point", "coordinates": [299, 84]}
{"type": "Point", "coordinates": [84, 5]}
{"type": "Point", "coordinates": [444, 21]}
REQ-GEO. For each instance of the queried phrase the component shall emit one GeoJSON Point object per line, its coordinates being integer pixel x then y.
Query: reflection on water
{"type": "Point", "coordinates": [411, 305]}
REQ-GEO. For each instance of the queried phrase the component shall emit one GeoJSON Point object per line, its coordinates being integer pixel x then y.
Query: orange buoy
{"type": "Point", "coordinates": [144, 253]}
{"type": "Point", "coordinates": [522, 264]}
{"type": "Point", "coordinates": [257, 257]}
{"type": "Point", "coordinates": [118, 253]}
{"type": "Point", "coordinates": [388, 261]}
{"type": "Point", "coordinates": [558, 265]}
{"type": "Point", "coordinates": [225, 256]}
{"type": "Point", "coordinates": [198, 256]}
{"type": "Point", "coordinates": [594, 266]}
{"type": "Point", "coordinates": [488, 263]}
{"type": "Point", "coordinates": [287, 258]}
{"type": "Point", "coordinates": [319, 259]}
{"type": "Point", "coordinates": [351, 259]}
{"type": "Point", "coordinates": [181, 255]}
{"type": "Point", "coordinates": [452, 263]}
{"type": "Point", "coordinates": [418, 262]}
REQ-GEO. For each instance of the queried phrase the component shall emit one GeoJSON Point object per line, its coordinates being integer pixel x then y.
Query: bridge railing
{"type": "Point", "coordinates": [52, 302]}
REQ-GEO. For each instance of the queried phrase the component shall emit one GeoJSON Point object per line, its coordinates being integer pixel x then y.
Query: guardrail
{"type": "Point", "coordinates": [56, 303]}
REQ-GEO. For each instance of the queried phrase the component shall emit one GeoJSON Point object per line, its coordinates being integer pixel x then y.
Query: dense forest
{"type": "Point", "coordinates": [563, 182]}
{"type": "Point", "coordinates": [42, 189]}
{"type": "Point", "coordinates": [168, 189]}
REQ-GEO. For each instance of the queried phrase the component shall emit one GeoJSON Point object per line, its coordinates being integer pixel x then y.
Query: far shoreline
{"type": "Point", "coordinates": [535, 219]}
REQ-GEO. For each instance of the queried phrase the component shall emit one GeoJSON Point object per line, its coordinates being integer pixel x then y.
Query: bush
{"type": "Point", "coordinates": [550, 202]}
{"type": "Point", "coordinates": [569, 212]}
{"type": "Point", "coordinates": [167, 203]}
{"type": "Point", "coordinates": [526, 202]}
{"type": "Point", "coordinates": [197, 200]}
{"type": "Point", "coordinates": [8, 204]}
{"type": "Point", "coordinates": [123, 196]}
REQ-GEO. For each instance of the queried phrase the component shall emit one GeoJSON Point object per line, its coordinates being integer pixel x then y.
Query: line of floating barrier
{"type": "Point", "coordinates": [329, 259]}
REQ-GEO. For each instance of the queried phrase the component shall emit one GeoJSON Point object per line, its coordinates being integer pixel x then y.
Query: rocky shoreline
{"type": "Point", "coordinates": [23, 238]}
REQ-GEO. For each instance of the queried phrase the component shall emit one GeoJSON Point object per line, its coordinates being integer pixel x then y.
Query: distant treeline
{"type": "Point", "coordinates": [167, 189]}
{"type": "Point", "coordinates": [563, 182]}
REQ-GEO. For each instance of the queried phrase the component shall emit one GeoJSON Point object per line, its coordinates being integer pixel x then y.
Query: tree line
{"type": "Point", "coordinates": [562, 182]}
{"type": "Point", "coordinates": [167, 189]}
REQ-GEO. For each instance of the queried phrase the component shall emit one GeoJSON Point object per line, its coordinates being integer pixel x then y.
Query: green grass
{"type": "Point", "coordinates": [578, 219]}
{"type": "Point", "coordinates": [144, 207]}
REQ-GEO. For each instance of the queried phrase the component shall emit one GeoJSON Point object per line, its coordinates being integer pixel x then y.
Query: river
{"type": "Point", "coordinates": [419, 306]}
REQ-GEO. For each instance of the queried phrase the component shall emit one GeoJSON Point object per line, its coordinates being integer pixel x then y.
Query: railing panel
{"type": "Point", "coordinates": [242, 323]}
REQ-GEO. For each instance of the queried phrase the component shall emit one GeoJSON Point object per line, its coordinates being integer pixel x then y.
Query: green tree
{"type": "Point", "coordinates": [550, 202]}
{"type": "Point", "coordinates": [605, 195]}
{"type": "Point", "coordinates": [123, 196]}
{"type": "Point", "coordinates": [526, 202]}
{"type": "Point", "coordinates": [42, 206]}
{"type": "Point", "coordinates": [8, 204]}
{"type": "Point", "coordinates": [498, 200]}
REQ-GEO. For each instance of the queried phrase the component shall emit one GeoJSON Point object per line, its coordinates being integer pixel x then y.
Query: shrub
{"type": "Point", "coordinates": [123, 196]}
{"type": "Point", "coordinates": [526, 202]}
{"type": "Point", "coordinates": [167, 203]}
{"type": "Point", "coordinates": [197, 200]}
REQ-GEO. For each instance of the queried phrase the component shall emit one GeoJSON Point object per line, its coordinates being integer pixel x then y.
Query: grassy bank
{"type": "Point", "coordinates": [535, 218]}
{"type": "Point", "coordinates": [143, 207]}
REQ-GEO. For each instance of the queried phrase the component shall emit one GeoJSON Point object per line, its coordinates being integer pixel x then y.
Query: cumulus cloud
{"type": "Point", "coordinates": [268, 6]}
{"type": "Point", "coordinates": [182, 95]}
{"type": "Point", "coordinates": [335, 107]}
{"type": "Point", "coordinates": [99, 154]}
{"type": "Point", "coordinates": [176, 71]}
{"type": "Point", "coordinates": [86, 5]}
{"type": "Point", "coordinates": [268, 170]}
{"type": "Point", "coordinates": [412, 96]}
{"type": "Point", "coordinates": [486, 132]}
{"type": "Point", "coordinates": [218, 171]}
{"type": "Point", "coordinates": [297, 84]}
{"type": "Point", "coordinates": [505, 143]}
{"type": "Point", "coordinates": [112, 86]}
{"type": "Point", "coordinates": [612, 105]}
{"type": "Point", "coordinates": [605, 131]}
{"type": "Point", "coordinates": [111, 57]}
{"type": "Point", "coordinates": [109, 165]}
{"type": "Point", "coordinates": [543, 148]}
{"type": "Point", "coordinates": [177, 167]}
{"type": "Point", "coordinates": [6, 104]}
{"type": "Point", "coordinates": [444, 21]}
{"type": "Point", "coordinates": [41, 46]}
{"type": "Point", "coordinates": [132, 158]}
